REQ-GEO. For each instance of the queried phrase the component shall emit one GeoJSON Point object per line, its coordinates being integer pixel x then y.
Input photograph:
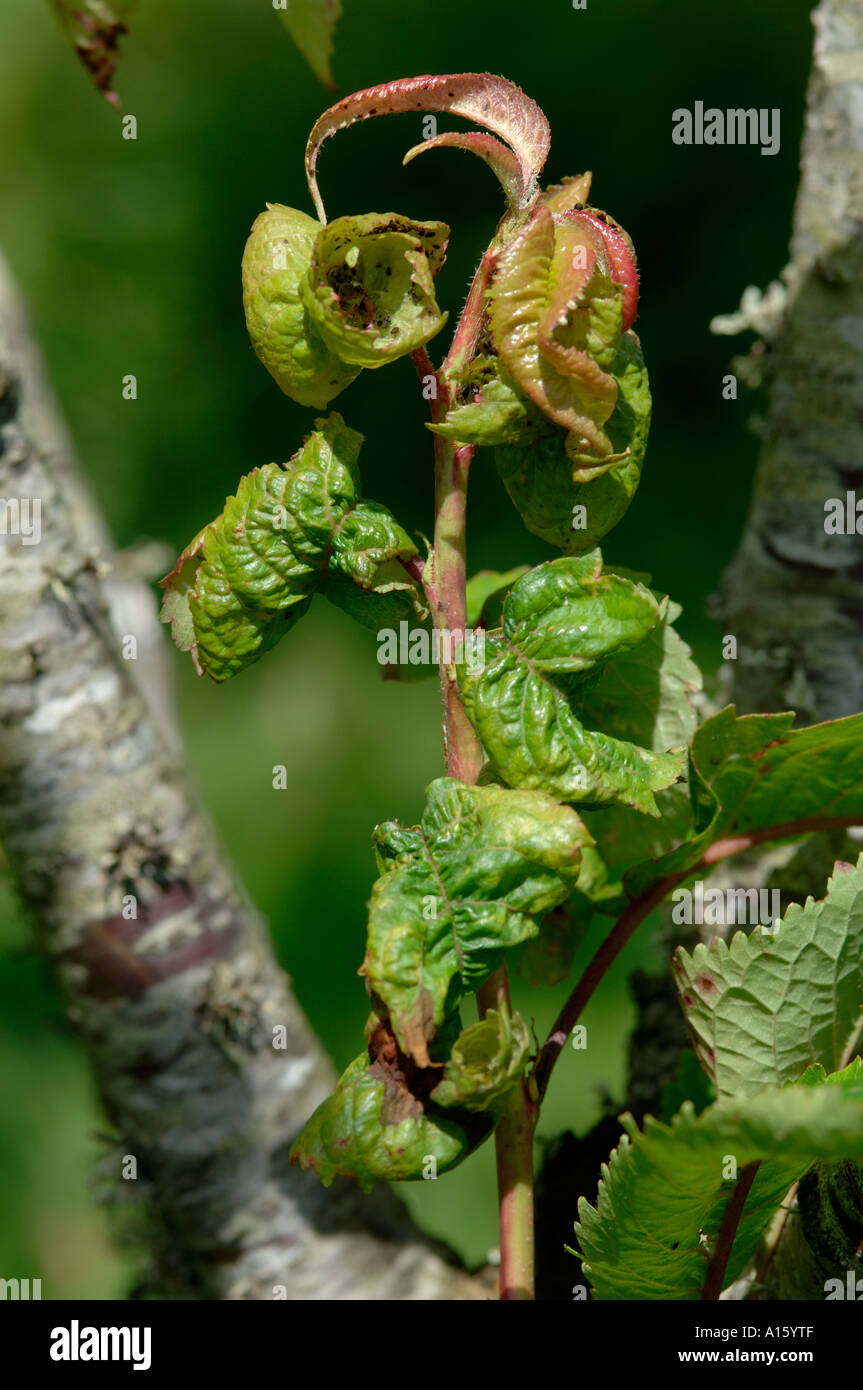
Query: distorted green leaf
{"type": "Point", "coordinates": [494, 411]}
{"type": "Point", "coordinates": [764, 1007]}
{"type": "Point", "coordinates": [382, 605]}
{"type": "Point", "coordinates": [289, 531]}
{"type": "Point", "coordinates": [456, 892]}
{"type": "Point", "coordinates": [370, 286]}
{"type": "Point", "coordinates": [373, 1129]}
{"type": "Point", "coordinates": [276, 264]}
{"type": "Point", "coordinates": [311, 24]}
{"type": "Point", "coordinates": [554, 506]}
{"type": "Point", "coordinates": [486, 1061]}
{"type": "Point", "coordinates": [664, 1191]}
{"type": "Point", "coordinates": [561, 622]}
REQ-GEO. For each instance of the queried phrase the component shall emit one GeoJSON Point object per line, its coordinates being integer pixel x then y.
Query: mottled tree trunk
{"type": "Point", "coordinates": [793, 595]}
{"type": "Point", "coordinates": [169, 974]}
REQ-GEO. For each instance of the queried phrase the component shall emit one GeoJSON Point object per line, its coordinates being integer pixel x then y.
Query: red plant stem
{"type": "Point", "coordinates": [641, 907]}
{"type": "Point", "coordinates": [466, 337]}
{"type": "Point", "coordinates": [513, 1140]}
{"type": "Point", "coordinates": [447, 594]}
{"type": "Point", "coordinates": [714, 1279]}
{"type": "Point", "coordinates": [444, 578]}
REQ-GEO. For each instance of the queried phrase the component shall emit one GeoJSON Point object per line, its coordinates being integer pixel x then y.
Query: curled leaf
{"type": "Point", "coordinates": [288, 532]}
{"type": "Point", "coordinates": [492, 410]}
{"type": "Point", "coordinates": [485, 1063]}
{"type": "Point", "coordinates": [561, 295]}
{"type": "Point", "coordinates": [540, 480]}
{"type": "Point", "coordinates": [753, 771]}
{"type": "Point", "coordinates": [276, 263]}
{"type": "Point", "coordinates": [494, 103]}
{"type": "Point", "coordinates": [369, 291]}
{"type": "Point", "coordinates": [498, 157]}
{"type": "Point", "coordinates": [374, 1129]}
{"type": "Point", "coordinates": [456, 892]}
{"type": "Point", "coordinates": [561, 622]}
{"type": "Point", "coordinates": [646, 694]}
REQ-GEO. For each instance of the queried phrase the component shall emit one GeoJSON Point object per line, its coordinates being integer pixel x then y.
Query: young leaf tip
{"type": "Point", "coordinates": [494, 103]}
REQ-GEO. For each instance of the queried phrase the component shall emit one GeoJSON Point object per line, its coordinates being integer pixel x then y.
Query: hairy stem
{"type": "Point", "coordinates": [641, 907]}
{"type": "Point", "coordinates": [444, 580]}
{"type": "Point", "coordinates": [466, 337]}
{"type": "Point", "coordinates": [452, 465]}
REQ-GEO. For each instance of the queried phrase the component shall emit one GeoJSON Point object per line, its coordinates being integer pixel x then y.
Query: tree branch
{"type": "Point", "coordinates": [792, 595]}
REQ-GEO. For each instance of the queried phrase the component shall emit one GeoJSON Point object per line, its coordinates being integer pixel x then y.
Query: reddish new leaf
{"type": "Point", "coordinates": [498, 157]}
{"type": "Point", "coordinates": [492, 102]}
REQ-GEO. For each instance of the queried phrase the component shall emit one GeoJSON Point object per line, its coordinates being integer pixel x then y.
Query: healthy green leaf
{"type": "Point", "coordinates": [369, 290]}
{"type": "Point", "coordinates": [561, 622]}
{"type": "Point", "coordinates": [287, 533]}
{"type": "Point", "coordinates": [553, 505]}
{"type": "Point", "coordinates": [485, 1063]}
{"type": "Point", "coordinates": [276, 264]}
{"type": "Point", "coordinates": [311, 24]}
{"type": "Point", "coordinates": [456, 892]}
{"type": "Point", "coordinates": [663, 1194]}
{"type": "Point", "coordinates": [765, 1007]}
{"type": "Point", "coordinates": [752, 772]}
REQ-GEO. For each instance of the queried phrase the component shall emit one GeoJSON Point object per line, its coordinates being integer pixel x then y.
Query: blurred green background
{"type": "Point", "coordinates": [129, 253]}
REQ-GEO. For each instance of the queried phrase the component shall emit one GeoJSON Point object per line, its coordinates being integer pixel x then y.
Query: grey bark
{"type": "Point", "coordinates": [176, 1005]}
{"type": "Point", "coordinates": [793, 594]}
